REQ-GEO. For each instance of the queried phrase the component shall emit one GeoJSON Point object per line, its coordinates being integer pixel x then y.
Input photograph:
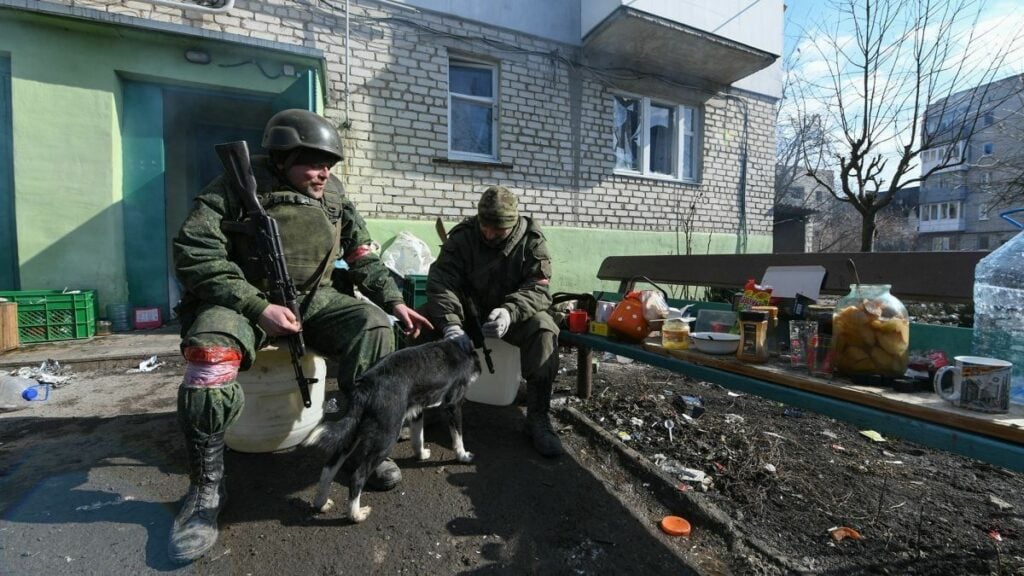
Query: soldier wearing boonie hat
{"type": "Point", "coordinates": [499, 258]}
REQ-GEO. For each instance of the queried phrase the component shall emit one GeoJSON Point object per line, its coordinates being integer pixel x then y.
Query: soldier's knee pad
{"type": "Point", "coordinates": [210, 366]}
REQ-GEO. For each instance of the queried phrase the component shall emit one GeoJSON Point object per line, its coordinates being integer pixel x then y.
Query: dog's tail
{"type": "Point", "coordinates": [329, 437]}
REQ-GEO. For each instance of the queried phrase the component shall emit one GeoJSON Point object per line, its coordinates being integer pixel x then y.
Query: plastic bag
{"type": "Point", "coordinates": [408, 255]}
{"type": "Point", "coordinates": [655, 306]}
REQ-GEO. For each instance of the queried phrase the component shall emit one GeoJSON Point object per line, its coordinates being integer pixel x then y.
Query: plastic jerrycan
{"type": "Point", "coordinates": [999, 306]}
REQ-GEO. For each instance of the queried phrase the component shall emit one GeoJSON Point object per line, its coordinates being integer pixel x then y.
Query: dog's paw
{"type": "Point", "coordinates": [424, 454]}
{"type": "Point", "coordinates": [465, 457]}
{"type": "Point", "coordinates": [360, 514]}
{"type": "Point", "coordinates": [325, 507]}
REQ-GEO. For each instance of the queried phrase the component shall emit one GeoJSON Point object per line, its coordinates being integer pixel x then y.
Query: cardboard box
{"type": "Point", "coordinates": [9, 339]}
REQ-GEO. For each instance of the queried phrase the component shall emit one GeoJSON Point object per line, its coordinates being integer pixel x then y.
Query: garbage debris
{"type": "Point", "coordinates": [839, 533]}
{"type": "Point", "coordinates": [675, 526]}
{"type": "Point", "coordinates": [49, 372]}
{"type": "Point", "coordinates": [147, 365]}
{"type": "Point", "coordinates": [675, 468]}
{"type": "Point", "coordinates": [692, 406]}
{"type": "Point", "coordinates": [1003, 505]}
{"type": "Point", "coordinates": [872, 435]}
{"type": "Point", "coordinates": [995, 535]}
{"type": "Point", "coordinates": [770, 468]}
{"type": "Point", "coordinates": [734, 419]}
{"type": "Point", "coordinates": [793, 412]}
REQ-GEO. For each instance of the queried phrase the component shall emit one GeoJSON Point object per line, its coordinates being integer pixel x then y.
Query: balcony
{"type": "Point", "coordinates": [707, 49]}
{"type": "Point", "coordinates": [944, 225]}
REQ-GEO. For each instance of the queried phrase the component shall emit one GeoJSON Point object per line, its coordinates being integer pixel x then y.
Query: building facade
{"type": "Point", "coordinates": [968, 171]}
{"type": "Point", "coordinates": [610, 119]}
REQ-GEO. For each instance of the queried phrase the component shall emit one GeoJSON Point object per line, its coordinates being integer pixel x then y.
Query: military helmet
{"type": "Point", "coordinates": [498, 207]}
{"type": "Point", "coordinates": [295, 128]}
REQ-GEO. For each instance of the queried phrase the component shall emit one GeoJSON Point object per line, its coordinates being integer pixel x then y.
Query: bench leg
{"type": "Point", "coordinates": [584, 372]}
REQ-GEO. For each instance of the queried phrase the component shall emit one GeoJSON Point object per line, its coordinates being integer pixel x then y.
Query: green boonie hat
{"type": "Point", "coordinates": [498, 207]}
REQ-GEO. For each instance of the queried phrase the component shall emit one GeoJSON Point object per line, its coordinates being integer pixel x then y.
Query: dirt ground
{"type": "Point", "coordinates": [789, 477]}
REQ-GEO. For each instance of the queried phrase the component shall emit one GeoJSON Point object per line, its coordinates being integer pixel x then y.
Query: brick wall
{"type": "Point", "coordinates": [398, 122]}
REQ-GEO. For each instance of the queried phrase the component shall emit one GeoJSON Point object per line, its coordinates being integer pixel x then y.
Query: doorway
{"type": "Point", "coordinates": [168, 138]}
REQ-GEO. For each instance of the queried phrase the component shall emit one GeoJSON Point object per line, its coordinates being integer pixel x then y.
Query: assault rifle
{"type": "Point", "coordinates": [263, 229]}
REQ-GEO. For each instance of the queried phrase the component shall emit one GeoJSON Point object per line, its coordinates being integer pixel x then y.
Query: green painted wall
{"type": "Point", "coordinates": [577, 253]}
{"type": "Point", "coordinates": [66, 107]}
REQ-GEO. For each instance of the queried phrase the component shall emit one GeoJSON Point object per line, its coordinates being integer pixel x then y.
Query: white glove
{"type": "Point", "coordinates": [497, 323]}
{"type": "Point", "coordinates": [452, 331]}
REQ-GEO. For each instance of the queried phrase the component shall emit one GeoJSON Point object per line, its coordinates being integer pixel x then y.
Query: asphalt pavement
{"type": "Point", "coordinates": [91, 479]}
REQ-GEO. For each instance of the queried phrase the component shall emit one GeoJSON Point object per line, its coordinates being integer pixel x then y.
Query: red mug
{"type": "Point", "coordinates": [578, 321]}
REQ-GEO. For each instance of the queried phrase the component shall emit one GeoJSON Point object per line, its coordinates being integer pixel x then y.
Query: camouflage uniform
{"type": "Point", "coordinates": [223, 299]}
{"type": "Point", "coordinates": [512, 273]}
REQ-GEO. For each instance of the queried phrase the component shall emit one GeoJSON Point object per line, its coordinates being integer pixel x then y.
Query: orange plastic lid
{"type": "Point", "coordinates": [675, 526]}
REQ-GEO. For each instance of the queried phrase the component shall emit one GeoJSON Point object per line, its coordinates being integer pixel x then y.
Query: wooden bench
{"type": "Point", "coordinates": [920, 417]}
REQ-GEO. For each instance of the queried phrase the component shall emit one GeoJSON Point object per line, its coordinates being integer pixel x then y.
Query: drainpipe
{"type": "Point", "coordinates": [227, 5]}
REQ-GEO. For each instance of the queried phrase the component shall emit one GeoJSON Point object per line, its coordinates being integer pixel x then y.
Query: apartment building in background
{"type": "Point", "coordinates": [982, 151]}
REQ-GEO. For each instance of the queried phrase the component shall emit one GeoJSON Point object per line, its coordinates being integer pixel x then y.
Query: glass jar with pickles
{"type": "Point", "coordinates": [870, 332]}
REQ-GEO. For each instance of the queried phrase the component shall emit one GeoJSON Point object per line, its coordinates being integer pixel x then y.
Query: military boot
{"type": "Point", "coordinates": [538, 423]}
{"type": "Point", "coordinates": [195, 529]}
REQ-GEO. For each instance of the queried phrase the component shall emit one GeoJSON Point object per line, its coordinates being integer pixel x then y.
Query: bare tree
{"type": "Point", "coordinates": [886, 61]}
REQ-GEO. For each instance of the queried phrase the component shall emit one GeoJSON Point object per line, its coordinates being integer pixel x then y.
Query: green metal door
{"type": "Point", "coordinates": [8, 223]}
{"type": "Point", "coordinates": [156, 196]}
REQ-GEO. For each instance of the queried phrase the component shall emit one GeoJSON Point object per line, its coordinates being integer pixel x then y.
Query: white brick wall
{"type": "Point", "coordinates": [398, 115]}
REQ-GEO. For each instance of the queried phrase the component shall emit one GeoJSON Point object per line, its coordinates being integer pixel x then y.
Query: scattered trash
{"type": "Point", "coordinates": [829, 434]}
{"type": "Point", "coordinates": [675, 468]}
{"type": "Point", "coordinates": [669, 425]}
{"type": "Point", "coordinates": [734, 419]}
{"type": "Point", "coordinates": [999, 503]}
{"type": "Point", "coordinates": [838, 448]}
{"type": "Point", "coordinates": [624, 436]}
{"type": "Point", "coordinates": [675, 526]}
{"type": "Point", "coordinates": [793, 412]}
{"type": "Point", "coordinates": [775, 435]}
{"type": "Point", "coordinates": [692, 406]}
{"type": "Point", "coordinates": [734, 394]}
{"type": "Point", "coordinates": [896, 462]}
{"type": "Point", "coordinates": [770, 468]}
{"type": "Point", "coordinates": [872, 435]}
{"type": "Point", "coordinates": [995, 535]}
{"type": "Point", "coordinates": [838, 533]}
{"type": "Point", "coordinates": [98, 505]}
{"type": "Point", "coordinates": [721, 468]}
{"type": "Point", "coordinates": [147, 365]}
{"type": "Point", "coordinates": [49, 372]}
{"type": "Point", "coordinates": [636, 422]}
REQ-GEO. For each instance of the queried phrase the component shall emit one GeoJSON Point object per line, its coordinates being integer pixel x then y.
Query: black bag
{"type": "Point", "coordinates": [560, 305]}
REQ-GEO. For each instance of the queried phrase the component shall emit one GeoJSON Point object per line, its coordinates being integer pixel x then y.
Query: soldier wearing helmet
{"type": "Point", "coordinates": [226, 317]}
{"type": "Point", "coordinates": [499, 258]}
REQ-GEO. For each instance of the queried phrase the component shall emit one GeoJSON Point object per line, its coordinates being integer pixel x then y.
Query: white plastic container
{"type": "Point", "coordinates": [273, 417]}
{"type": "Point", "coordinates": [500, 388]}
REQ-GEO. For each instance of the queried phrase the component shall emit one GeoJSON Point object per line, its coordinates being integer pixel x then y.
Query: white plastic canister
{"type": "Point", "coordinates": [501, 387]}
{"type": "Point", "coordinates": [273, 417]}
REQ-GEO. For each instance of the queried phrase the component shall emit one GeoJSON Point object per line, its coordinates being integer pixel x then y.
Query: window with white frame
{"type": "Point", "coordinates": [988, 148]}
{"type": "Point", "coordinates": [655, 139]}
{"type": "Point", "coordinates": [940, 211]}
{"type": "Point", "coordinates": [472, 110]}
{"type": "Point", "coordinates": [986, 178]}
{"type": "Point", "coordinates": [983, 211]}
{"type": "Point", "coordinates": [940, 243]}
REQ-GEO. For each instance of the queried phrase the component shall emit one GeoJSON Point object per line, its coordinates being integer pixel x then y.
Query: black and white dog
{"type": "Point", "coordinates": [395, 389]}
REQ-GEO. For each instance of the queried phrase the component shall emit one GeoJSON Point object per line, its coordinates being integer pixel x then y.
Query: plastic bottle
{"type": "Point", "coordinates": [17, 392]}
{"type": "Point", "coordinates": [999, 307]}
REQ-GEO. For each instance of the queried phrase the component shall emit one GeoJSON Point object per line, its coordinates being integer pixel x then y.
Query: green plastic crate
{"type": "Point", "coordinates": [414, 290]}
{"type": "Point", "coordinates": [49, 315]}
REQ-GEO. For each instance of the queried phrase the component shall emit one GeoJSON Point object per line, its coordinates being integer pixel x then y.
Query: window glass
{"type": "Point", "coordinates": [471, 80]}
{"type": "Point", "coordinates": [952, 210]}
{"type": "Point", "coordinates": [626, 133]}
{"type": "Point", "coordinates": [662, 136]}
{"type": "Point", "coordinates": [689, 143]}
{"type": "Point", "coordinates": [471, 127]}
